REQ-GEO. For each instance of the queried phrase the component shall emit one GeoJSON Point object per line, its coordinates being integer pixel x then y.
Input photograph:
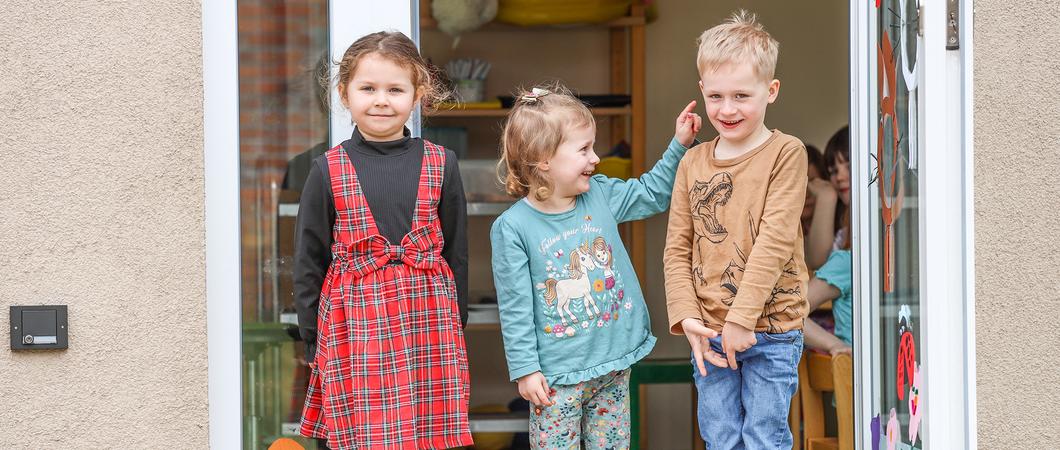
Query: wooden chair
{"type": "Point", "coordinates": [820, 373]}
{"type": "Point", "coordinates": [843, 382]}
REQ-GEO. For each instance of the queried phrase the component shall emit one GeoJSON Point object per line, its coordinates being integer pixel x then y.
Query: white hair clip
{"type": "Point", "coordinates": [534, 94]}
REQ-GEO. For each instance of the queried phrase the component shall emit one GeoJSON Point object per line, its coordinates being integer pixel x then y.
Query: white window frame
{"type": "Point", "coordinates": [221, 161]}
{"type": "Point", "coordinates": [947, 252]}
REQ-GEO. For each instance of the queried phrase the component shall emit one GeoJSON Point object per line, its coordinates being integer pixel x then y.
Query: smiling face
{"type": "Point", "coordinates": [736, 99]}
{"type": "Point", "coordinates": [380, 97]}
{"type": "Point", "coordinates": [574, 162]}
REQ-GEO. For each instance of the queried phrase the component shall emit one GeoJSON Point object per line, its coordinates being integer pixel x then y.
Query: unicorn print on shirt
{"type": "Point", "coordinates": [561, 292]}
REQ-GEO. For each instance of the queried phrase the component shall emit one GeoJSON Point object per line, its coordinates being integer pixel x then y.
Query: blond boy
{"type": "Point", "coordinates": [735, 274]}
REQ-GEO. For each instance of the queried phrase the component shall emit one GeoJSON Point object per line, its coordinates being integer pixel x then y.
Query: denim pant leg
{"type": "Point", "coordinates": [720, 410]}
{"type": "Point", "coordinates": [770, 377]}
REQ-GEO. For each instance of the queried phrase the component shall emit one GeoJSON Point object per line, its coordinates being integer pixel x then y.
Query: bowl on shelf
{"type": "Point", "coordinates": [560, 12]}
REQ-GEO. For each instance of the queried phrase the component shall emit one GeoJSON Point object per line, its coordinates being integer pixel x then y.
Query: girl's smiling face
{"type": "Point", "coordinates": [573, 163]}
{"type": "Point", "coordinates": [380, 97]}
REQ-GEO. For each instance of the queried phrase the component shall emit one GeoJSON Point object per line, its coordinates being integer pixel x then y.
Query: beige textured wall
{"type": "Point", "coordinates": [102, 210]}
{"type": "Point", "coordinates": [1017, 196]}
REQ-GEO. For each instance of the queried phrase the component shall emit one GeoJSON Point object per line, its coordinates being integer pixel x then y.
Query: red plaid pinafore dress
{"type": "Point", "coordinates": [391, 367]}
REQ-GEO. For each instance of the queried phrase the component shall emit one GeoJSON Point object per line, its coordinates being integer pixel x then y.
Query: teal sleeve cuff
{"type": "Point", "coordinates": [516, 374]}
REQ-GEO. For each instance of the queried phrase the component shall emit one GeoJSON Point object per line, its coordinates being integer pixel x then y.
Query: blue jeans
{"type": "Point", "coordinates": [748, 408]}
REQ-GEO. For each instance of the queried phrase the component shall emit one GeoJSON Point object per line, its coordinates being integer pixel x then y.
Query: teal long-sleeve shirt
{"type": "Point", "coordinates": [570, 303]}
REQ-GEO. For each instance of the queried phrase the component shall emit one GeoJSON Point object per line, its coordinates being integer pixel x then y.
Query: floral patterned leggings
{"type": "Point", "coordinates": [594, 413]}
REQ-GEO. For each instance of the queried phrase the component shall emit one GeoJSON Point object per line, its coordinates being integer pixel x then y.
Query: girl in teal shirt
{"type": "Point", "coordinates": [572, 313]}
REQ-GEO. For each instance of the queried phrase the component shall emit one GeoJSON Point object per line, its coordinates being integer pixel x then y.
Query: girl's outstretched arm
{"type": "Point", "coordinates": [649, 194]}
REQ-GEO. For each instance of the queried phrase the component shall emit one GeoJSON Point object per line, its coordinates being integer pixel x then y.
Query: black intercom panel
{"type": "Point", "coordinates": [38, 327]}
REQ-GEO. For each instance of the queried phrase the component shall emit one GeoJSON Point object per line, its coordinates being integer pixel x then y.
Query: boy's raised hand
{"type": "Point", "coordinates": [735, 338]}
{"type": "Point", "coordinates": [698, 336]}
{"type": "Point", "coordinates": [687, 125]}
{"type": "Point", "coordinates": [534, 388]}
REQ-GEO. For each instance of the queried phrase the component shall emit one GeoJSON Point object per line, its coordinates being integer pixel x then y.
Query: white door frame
{"type": "Point", "coordinates": [946, 209]}
{"type": "Point", "coordinates": [221, 161]}
{"type": "Point", "coordinates": [947, 233]}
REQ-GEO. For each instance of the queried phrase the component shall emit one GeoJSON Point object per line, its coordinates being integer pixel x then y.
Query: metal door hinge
{"type": "Point", "coordinates": [953, 30]}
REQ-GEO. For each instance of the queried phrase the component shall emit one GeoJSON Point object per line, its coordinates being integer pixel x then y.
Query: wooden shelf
{"type": "Point", "coordinates": [515, 422]}
{"type": "Point", "coordinates": [428, 23]}
{"type": "Point", "coordinates": [487, 208]}
{"type": "Point", "coordinates": [501, 112]}
{"type": "Point", "coordinates": [483, 319]}
{"type": "Point", "coordinates": [483, 327]}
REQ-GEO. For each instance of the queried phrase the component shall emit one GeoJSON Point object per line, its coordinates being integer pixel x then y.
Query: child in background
{"type": "Point", "coordinates": [832, 281]}
{"type": "Point", "coordinates": [572, 313]}
{"type": "Point", "coordinates": [734, 253]}
{"type": "Point", "coordinates": [818, 214]}
{"type": "Point", "coordinates": [381, 254]}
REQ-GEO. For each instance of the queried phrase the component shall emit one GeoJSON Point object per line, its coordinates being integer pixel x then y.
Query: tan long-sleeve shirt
{"type": "Point", "coordinates": [733, 244]}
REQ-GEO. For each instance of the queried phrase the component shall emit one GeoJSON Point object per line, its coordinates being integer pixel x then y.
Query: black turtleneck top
{"type": "Point", "coordinates": [389, 174]}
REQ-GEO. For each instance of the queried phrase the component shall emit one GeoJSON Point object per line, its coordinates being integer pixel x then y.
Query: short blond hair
{"type": "Point", "coordinates": [534, 130]}
{"type": "Point", "coordinates": [740, 39]}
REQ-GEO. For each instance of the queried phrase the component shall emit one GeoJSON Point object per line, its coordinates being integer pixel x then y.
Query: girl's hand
{"type": "Point", "coordinates": [534, 388]}
{"type": "Point", "coordinates": [821, 190]}
{"type": "Point", "coordinates": [698, 336]}
{"type": "Point", "coordinates": [840, 348]}
{"type": "Point", "coordinates": [687, 125]}
{"type": "Point", "coordinates": [735, 338]}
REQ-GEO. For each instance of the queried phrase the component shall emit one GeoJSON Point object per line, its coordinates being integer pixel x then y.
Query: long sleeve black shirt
{"type": "Point", "coordinates": [389, 174]}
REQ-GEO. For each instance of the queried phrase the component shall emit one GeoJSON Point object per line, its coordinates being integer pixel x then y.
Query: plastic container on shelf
{"type": "Point", "coordinates": [615, 167]}
{"type": "Point", "coordinates": [560, 12]}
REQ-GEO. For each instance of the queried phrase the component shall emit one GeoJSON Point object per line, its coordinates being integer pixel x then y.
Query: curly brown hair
{"type": "Point", "coordinates": [400, 50]}
{"type": "Point", "coordinates": [532, 133]}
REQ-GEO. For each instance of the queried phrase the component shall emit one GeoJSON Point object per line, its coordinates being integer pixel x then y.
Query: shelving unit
{"type": "Point", "coordinates": [625, 75]}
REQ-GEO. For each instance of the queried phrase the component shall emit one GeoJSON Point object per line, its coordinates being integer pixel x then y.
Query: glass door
{"type": "Point", "coordinates": [911, 160]}
{"type": "Point", "coordinates": [289, 114]}
{"type": "Point", "coordinates": [894, 219]}
{"type": "Point", "coordinates": [283, 125]}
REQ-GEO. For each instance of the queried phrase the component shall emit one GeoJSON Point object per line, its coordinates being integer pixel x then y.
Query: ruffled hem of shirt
{"type": "Point", "coordinates": [622, 363]}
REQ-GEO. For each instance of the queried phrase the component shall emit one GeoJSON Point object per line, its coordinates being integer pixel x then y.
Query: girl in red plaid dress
{"type": "Point", "coordinates": [381, 254]}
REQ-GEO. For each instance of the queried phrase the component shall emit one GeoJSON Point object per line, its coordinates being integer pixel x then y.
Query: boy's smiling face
{"type": "Point", "coordinates": [736, 98]}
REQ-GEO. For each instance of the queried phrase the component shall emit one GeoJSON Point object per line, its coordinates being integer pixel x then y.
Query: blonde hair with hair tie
{"type": "Point", "coordinates": [533, 131]}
